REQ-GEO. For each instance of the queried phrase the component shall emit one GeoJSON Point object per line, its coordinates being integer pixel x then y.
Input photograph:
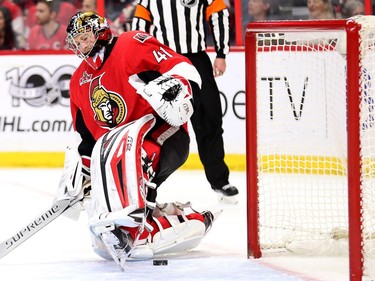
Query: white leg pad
{"type": "Point", "coordinates": [178, 238]}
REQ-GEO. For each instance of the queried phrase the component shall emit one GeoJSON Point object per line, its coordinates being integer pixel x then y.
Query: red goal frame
{"type": "Point", "coordinates": [353, 136]}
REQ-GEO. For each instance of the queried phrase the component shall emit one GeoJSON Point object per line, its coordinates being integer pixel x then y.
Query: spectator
{"type": "Point", "coordinates": [48, 33]}
{"type": "Point", "coordinates": [17, 22]}
{"type": "Point", "coordinates": [90, 6]}
{"type": "Point", "coordinates": [124, 19]}
{"type": "Point", "coordinates": [353, 8]}
{"type": "Point", "coordinates": [260, 10]}
{"type": "Point", "coordinates": [113, 8]}
{"type": "Point", "coordinates": [320, 9]}
{"type": "Point", "coordinates": [66, 11]}
{"type": "Point", "coordinates": [76, 3]}
{"type": "Point", "coordinates": [7, 40]}
{"type": "Point", "coordinates": [180, 25]}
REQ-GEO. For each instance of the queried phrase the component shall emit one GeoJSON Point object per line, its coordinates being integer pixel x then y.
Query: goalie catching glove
{"type": "Point", "coordinates": [171, 97]}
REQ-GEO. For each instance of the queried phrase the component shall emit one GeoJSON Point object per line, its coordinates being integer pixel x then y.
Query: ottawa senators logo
{"type": "Point", "coordinates": [109, 107]}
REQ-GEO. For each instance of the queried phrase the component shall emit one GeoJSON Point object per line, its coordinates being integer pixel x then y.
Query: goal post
{"type": "Point", "coordinates": [355, 92]}
{"type": "Point", "coordinates": [310, 129]}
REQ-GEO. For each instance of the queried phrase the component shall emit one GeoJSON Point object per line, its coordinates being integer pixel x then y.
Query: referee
{"type": "Point", "coordinates": [182, 25]}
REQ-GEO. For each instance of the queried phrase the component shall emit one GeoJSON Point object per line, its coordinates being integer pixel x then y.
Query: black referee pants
{"type": "Point", "coordinates": [207, 123]}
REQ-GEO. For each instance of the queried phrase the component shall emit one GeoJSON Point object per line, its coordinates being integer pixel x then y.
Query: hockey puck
{"type": "Point", "coordinates": [160, 262]}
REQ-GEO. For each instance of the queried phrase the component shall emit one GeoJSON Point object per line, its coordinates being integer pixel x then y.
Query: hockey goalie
{"type": "Point", "coordinates": [131, 97]}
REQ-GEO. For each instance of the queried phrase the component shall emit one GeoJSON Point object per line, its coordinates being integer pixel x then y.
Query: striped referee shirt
{"type": "Point", "coordinates": [180, 24]}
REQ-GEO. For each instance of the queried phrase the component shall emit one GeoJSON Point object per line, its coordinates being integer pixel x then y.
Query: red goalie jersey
{"type": "Point", "coordinates": [107, 97]}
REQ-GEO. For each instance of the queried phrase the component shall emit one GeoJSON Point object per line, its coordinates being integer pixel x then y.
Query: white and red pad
{"type": "Point", "coordinates": [116, 168]}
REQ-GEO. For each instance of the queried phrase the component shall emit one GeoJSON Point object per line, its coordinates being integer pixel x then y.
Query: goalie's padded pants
{"type": "Point", "coordinates": [173, 153]}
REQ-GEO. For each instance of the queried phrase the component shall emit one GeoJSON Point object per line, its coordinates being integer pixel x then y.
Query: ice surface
{"type": "Point", "coordinates": [62, 250]}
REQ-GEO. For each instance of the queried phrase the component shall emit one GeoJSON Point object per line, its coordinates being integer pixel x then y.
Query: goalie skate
{"type": "Point", "coordinates": [113, 241]}
{"type": "Point", "coordinates": [118, 245]}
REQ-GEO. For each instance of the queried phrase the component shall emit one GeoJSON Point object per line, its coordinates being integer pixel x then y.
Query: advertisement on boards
{"type": "Point", "coordinates": [35, 115]}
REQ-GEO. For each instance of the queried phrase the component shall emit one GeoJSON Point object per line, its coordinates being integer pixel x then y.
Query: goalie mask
{"type": "Point", "coordinates": [88, 34]}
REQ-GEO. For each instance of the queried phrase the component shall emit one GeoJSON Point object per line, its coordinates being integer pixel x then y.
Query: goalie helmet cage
{"type": "Point", "coordinates": [310, 129]}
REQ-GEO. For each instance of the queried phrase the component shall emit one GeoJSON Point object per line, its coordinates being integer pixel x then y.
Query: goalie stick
{"type": "Point", "coordinates": [58, 207]}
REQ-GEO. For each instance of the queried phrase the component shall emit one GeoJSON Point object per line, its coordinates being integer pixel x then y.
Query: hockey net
{"type": "Point", "coordinates": [310, 119]}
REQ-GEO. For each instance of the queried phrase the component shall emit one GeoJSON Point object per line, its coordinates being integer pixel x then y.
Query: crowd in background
{"type": "Point", "coordinates": [41, 24]}
{"type": "Point", "coordinates": [301, 9]}
{"type": "Point", "coordinates": [259, 10]}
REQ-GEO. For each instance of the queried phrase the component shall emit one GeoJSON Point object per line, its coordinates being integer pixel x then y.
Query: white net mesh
{"type": "Point", "coordinates": [367, 123]}
{"type": "Point", "coordinates": [302, 148]}
{"type": "Point", "coordinates": [301, 132]}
